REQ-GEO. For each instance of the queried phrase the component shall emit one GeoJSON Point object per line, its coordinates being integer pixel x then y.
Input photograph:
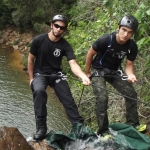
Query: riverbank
{"type": "Point", "coordinates": [10, 37]}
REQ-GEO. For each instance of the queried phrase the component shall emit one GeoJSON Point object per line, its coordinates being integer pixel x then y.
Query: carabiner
{"type": "Point", "coordinates": [60, 73]}
{"type": "Point", "coordinates": [120, 72]}
{"type": "Point", "coordinates": [63, 77]}
{"type": "Point", "coordinates": [124, 77]}
{"type": "Point", "coordinates": [96, 73]}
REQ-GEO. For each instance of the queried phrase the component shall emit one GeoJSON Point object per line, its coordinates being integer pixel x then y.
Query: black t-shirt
{"type": "Point", "coordinates": [111, 58]}
{"type": "Point", "coordinates": [49, 54]}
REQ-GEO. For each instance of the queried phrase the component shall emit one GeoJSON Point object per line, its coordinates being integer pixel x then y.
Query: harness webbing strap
{"type": "Point", "coordinates": [107, 49]}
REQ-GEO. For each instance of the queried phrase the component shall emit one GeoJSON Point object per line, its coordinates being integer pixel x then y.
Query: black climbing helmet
{"type": "Point", "coordinates": [60, 18]}
{"type": "Point", "coordinates": [129, 21]}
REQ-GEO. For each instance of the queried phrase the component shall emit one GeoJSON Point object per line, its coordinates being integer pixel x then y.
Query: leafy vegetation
{"type": "Point", "coordinates": [88, 20]}
{"type": "Point", "coordinates": [97, 18]}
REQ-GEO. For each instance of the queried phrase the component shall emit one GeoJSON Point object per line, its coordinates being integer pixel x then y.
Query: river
{"type": "Point", "coordinates": [16, 103]}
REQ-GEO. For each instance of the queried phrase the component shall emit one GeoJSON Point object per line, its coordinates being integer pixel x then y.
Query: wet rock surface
{"type": "Point", "coordinates": [40, 145]}
{"type": "Point", "coordinates": [12, 139]}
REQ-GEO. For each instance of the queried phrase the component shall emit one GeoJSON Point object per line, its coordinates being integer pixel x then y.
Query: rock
{"type": "Point", "coordinates": [15, 47]}
{"type": "Point", "coordinates": [25, 68]}
{"type": "Point", "coordinates": [11, 37]}
{"type": "Point", "coordinates": [40, 145]}
{"type": "Point", "coordinates": [10, 30]}
{"type": "Point", "coordinates": [11, 138]}
{"type": "Point", "coordinates": [1, 41]}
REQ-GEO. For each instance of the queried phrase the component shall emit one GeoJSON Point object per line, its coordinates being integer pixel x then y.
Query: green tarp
{"type": "Point", "coordinates": [138, 140]}
{"type": "Point", "coordinates": [123, 137]}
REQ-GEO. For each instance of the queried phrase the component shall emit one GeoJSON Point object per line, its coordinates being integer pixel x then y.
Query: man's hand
{"type": "Point", "coordinates": [30, 82]}
{"type": "Point", "coordinates": [86, 80]}
{"type": "Point", "coordinates": [131, 78]}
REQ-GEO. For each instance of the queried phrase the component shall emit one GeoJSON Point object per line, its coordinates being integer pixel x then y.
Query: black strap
{"type": "Point", "coordinates": [108, 48]}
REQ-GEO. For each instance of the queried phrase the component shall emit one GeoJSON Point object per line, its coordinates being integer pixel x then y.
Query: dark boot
{"type": "Point", "coordinates": [102, 132]}
{"type": "Point", "coordinates": [41, 129]}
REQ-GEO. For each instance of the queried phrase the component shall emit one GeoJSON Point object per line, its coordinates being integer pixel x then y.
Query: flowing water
{"type": "Point", "coordinates": [16, 104]}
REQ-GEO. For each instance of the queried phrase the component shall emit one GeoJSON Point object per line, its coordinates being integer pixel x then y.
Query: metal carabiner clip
{"type": "Point", "coordinates": [96, 73]}
{"type": "Point", "coordinates": [120, 72]}
{"type": "Point", "coordinates": [63, 77]}
{"type": "Point", "coordinates": [124, 77]}
{"type": "Point", "coordinates": [60, 73]}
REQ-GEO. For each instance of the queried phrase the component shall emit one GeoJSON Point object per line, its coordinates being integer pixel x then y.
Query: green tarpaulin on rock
{"type": "Point", "coordinates": [138, 140]}
{"type": "Point", "coordinates": [123, 137]}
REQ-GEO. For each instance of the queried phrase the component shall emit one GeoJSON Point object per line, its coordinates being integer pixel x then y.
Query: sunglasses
{"type": "Point", "coordinates": [58, 26]}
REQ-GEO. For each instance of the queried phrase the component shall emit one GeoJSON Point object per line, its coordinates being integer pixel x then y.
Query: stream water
{"type": "Point", "coordinates": [16, 104]}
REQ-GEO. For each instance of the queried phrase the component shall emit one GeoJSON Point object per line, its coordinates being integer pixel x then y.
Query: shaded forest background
{"type": "Point", "coordinates": [88, 20]}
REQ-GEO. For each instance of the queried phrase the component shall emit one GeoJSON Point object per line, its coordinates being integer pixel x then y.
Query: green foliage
{"type": "Point", "coordinates": [95, 18]}
{"type": "Point", "coordinates": [28, 13]}
{"type": "Point", "coordinates": [40, 28]}
{"type": "Point", "coordinates": [25, 59]}
{"type": "Point", "coordinates": [5, 15]}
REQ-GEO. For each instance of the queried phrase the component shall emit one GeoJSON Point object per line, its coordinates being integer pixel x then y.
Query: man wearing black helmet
{"type": "Point", "coordinates": [44, 60]}
{"type": "Point", "coordinates": [105, 56]}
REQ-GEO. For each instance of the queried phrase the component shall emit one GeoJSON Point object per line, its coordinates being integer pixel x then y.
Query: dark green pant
{"type": "Point", "coordinates": [122, 86]}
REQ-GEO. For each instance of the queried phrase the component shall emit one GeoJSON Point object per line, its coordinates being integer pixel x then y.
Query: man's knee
{"type": "Point", "coordinates": [40, 95]}
{"type": "Point", "coordinates": [132, 94]}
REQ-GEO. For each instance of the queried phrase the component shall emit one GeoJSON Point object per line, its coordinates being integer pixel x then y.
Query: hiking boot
{"type": "Point", "coordinates": [141, 127]}
{"type": "Point", "coordinates": [41, 129]}
{"type": "Point", "coordinates": [102, 132]}
{"type": "Point", "coordinates": [104, 135]}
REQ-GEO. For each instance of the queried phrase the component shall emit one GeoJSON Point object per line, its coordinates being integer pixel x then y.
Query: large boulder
{"type": "Point", "coordinates": [11, 138]}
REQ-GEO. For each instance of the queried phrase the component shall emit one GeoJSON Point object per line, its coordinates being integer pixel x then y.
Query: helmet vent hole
{"type": "Point", "coordinates": [128, 21]}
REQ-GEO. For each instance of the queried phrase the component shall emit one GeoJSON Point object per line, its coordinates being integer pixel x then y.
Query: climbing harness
{"type": "Point", "coordinates": [53, 75]}
{"type": "Point", "coordinates": [109, 73]}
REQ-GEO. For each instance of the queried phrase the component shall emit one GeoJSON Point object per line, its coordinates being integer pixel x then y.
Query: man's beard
{"type": "Point", "coordinates": [56, 35]}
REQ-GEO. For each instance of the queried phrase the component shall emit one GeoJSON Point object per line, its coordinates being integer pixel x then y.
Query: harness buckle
{"type": "Point", "coordinates": [96, 73]}
{"type": "Point", "coordinates": [63, 77]}
{"type": "Point", "coordinates": [124, 77]}
{"type": "Point", "coordinates": [120, 73]}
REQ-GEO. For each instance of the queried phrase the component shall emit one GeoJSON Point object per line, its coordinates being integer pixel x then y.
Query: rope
{"type": "Point", "coordinates": [60, 75]}
{"type": "Point", "coordinates": [81, 96]}
{"type": "Point", "coordinates": [140, 83]}
{"type": "Point", "coordinates": [140, 101]}
{"type": "Point", "coordinates": [122, 95]}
